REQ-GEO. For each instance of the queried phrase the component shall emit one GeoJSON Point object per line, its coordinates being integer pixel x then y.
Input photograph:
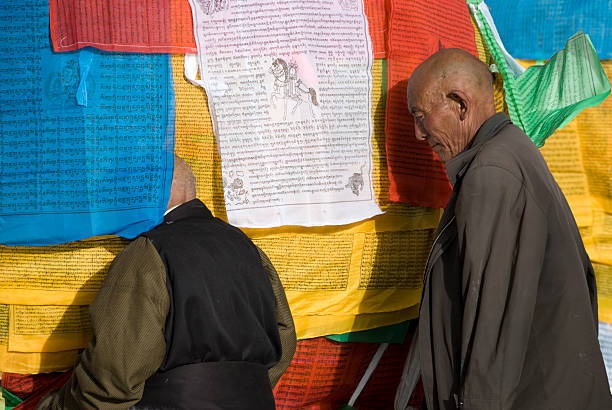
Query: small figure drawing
{"type": "Point", "coordinates": [288, 87]}
{"type": "Point", "coordinates": [355, 182]}
{"type": "Point", "coordinates": [348, 4]}
{"type": "Point", "coordinates": [233, 188]}
{"type": "Point", "coordinates": [210, 7]}
{"type": "Point", "coordinates": [62, 86]}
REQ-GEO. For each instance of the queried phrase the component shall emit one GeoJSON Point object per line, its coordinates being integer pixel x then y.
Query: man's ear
{"type": "Point", "coordinates": [461, 99]}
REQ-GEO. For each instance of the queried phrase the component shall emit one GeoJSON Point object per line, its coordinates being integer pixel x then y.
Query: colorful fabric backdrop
{"type": "Point", "coordinates": [339, 279]}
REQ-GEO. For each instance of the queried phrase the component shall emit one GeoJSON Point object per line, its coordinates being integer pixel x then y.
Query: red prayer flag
{"type": "Point", "coordinates": [324, 374]}
{"type": "Point", "coordinates": [376, 13]}
{"type": "Point", "coordinates": [417, 29]}
{"type": "Point", "coordinates": [142, 26]}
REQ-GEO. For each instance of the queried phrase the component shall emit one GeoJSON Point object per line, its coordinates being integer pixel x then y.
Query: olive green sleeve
{"type": "Point", "coordinates": [286, 328]}
{"type": "Point", "coordinates": [128, 317]}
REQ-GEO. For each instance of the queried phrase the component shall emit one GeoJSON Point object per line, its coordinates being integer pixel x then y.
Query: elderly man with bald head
{"type": "Point", "coordinates": [191, 315]}
{"type": "Point", "coordinates": [508, 316]}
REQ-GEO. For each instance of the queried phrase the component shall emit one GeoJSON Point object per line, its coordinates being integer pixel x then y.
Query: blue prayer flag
{"type": "Point", "coordinates": [536, 29]}
{"type": "Point", "coordinates": [86, 137]}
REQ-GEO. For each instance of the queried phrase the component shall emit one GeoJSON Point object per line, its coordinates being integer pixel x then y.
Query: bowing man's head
{"type": "Point", "coordinates": [450, 95]}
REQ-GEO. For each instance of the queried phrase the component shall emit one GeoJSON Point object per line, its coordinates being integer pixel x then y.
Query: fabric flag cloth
{"type": "Point", "coordinates": [417, 29]}
{"type": "Point", "coordinates": [291, 107]}
{"type": "Point", "coordinates": [139, 26]}
{"type": "Point", "coordinates": [546, 97]}
{"type": "Point", "coordinates": [24, 391]}
{"type": "Point", "coordinates": [376, 12]}
{"type": "Point", "coordinates": [535, 29]}
{"type": "Point", "coordinates": [86, 137]}
{"type": "Point", "coordinates": [385, 334]}
{"type": "Point", "coordinates": [10, 400]}
{"type": "Point", "coordinates": [324, 374]}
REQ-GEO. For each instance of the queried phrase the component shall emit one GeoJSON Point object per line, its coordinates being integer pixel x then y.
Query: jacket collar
{"type": "Point", "coordinates": [456, 167]}
{"type": "Point", "coordinates": [195, 207]}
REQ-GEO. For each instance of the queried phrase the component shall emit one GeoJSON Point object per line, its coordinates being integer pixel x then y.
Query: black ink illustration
{"type": "Point", "coordinates": [289, 88]}
{"type": "Point", "coordinates": [234, 190]}
{"type": "Point", "coordinates": [355, 182]}
{"type": "Point", "coordinates": [210, 7]}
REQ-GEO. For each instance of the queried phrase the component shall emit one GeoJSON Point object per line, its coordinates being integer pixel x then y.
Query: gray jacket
{"type": "Point", "coordinates": [508, 317]}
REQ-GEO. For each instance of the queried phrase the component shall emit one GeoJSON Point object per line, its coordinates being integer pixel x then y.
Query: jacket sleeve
{"type": "Point", "coordinates": [128, 317]}
{"type": "Point", "coordinates": [502, 236]}
{"type": "Point", "coordinates": [286, 328]}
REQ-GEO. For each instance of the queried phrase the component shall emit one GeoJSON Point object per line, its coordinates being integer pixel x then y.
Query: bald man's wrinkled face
{"type": "Point", "coordinates": [436, 120]}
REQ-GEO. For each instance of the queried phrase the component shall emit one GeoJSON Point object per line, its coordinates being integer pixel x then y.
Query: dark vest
{"type": "Point", "coordinates": [221, 331]}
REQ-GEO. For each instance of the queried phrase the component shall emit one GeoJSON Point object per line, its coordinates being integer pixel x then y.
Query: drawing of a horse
{"type": "Point", "coordinates": [289, 88]}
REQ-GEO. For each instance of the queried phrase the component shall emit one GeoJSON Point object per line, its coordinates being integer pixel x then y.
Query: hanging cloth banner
{"type": "Point", "coordinates": [546, 97]}
{"type": "Point", "coordinates": [86, 138]}
{"type": "Point", "coordinates": [376, 12]}
{"type": "Point", "coordinates": [328, 372]}
{"type": "Point", "coordinates": [289, 88]}
{"type": "Point", "coordinates": [535, 29]}
{"type": "Point", "coordinates": [139, 26]}
{"type": "Point", "coordinates": [417, 29]}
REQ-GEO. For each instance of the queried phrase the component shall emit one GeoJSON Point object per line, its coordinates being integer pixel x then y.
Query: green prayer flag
{"type": "Point", "coordinates": [385, 334]}
{"type": "Point", "coordinates": [546, 97]}
{"type": "Point", "coordinates": [10, 400]}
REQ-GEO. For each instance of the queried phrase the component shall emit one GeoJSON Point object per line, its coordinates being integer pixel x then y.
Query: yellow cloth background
{"type": "Point", "coordinates": [66, 274]}
{"type": "Point", "coordinates": [18, 362]}
{"type": "Point", "coordinates": [44, 293]}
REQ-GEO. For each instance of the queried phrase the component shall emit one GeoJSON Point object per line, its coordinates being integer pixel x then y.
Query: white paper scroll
{"type": "Point", "coordinates": [289, 86]}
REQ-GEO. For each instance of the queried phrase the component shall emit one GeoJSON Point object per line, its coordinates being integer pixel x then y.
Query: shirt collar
{"type": "Point", "coordinates": [171, 209]}
{"type": "Point", "coordinates": [456, 167]}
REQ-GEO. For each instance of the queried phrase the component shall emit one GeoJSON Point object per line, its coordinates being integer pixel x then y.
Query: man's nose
{"type": "Point", "coordinates": [419, 133]}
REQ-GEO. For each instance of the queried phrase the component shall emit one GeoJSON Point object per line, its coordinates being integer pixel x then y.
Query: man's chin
{"type": "Point", "coordinates": [443, 156]}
